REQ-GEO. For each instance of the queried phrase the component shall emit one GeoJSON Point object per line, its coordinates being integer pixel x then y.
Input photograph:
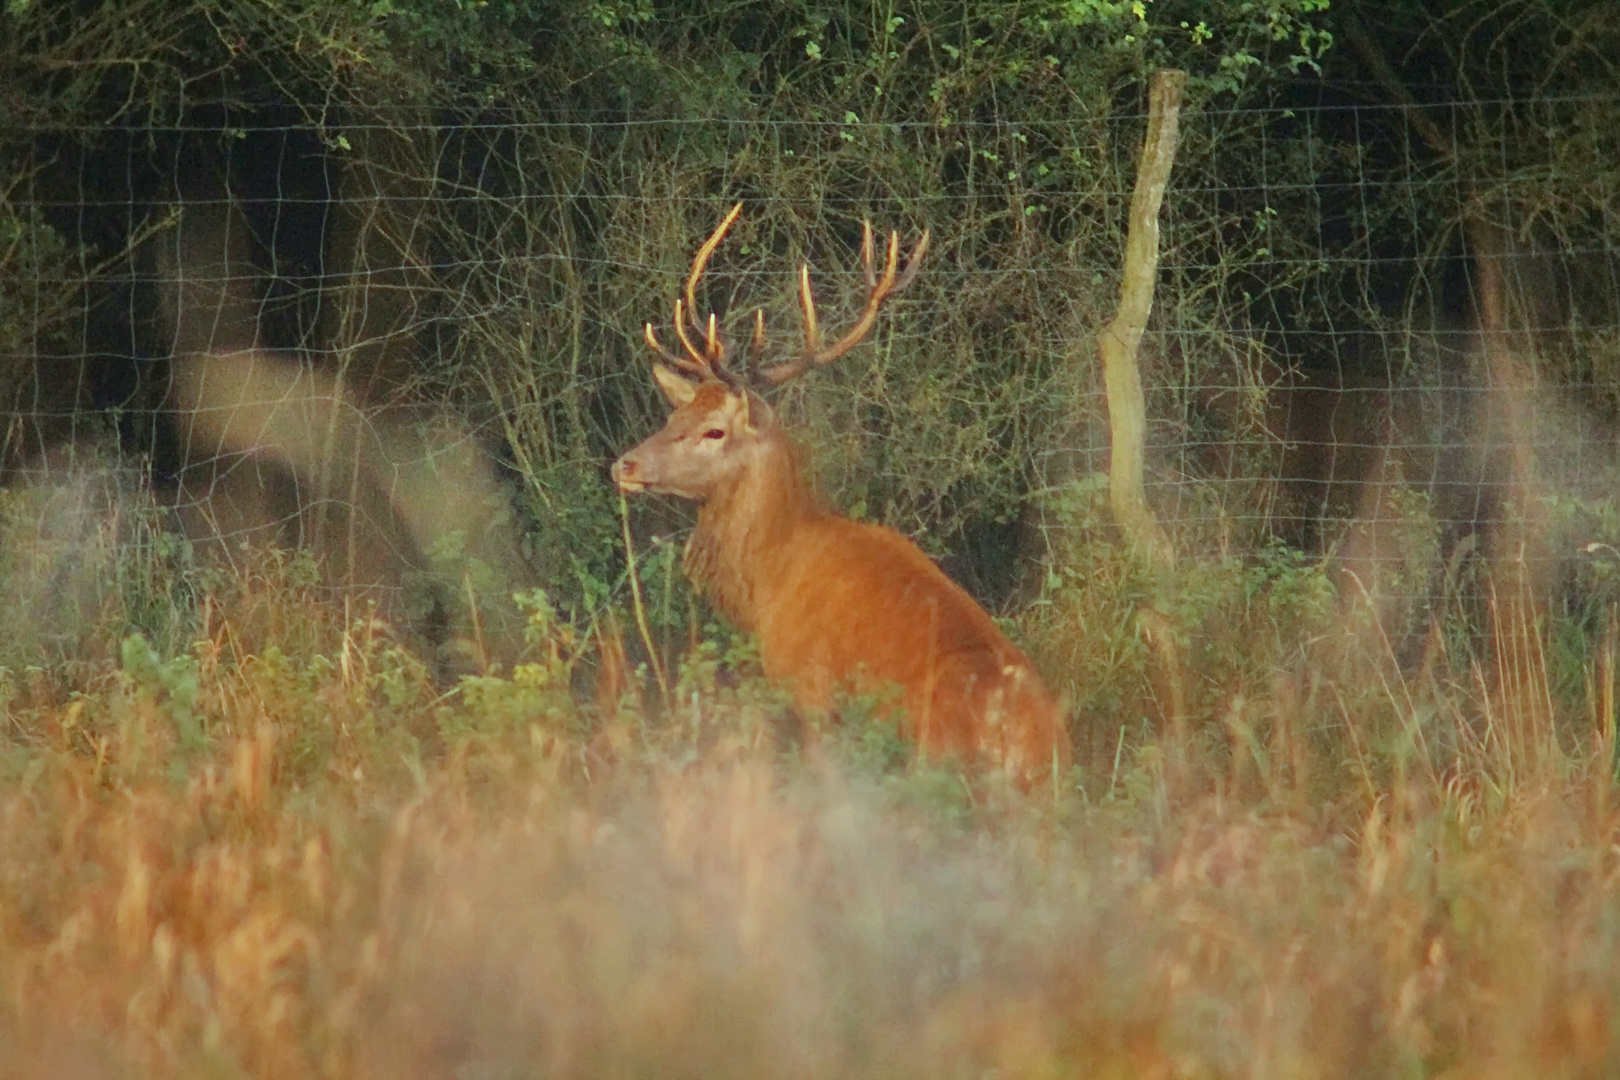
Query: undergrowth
{"type": "Point", "coordinates": [279, 846]}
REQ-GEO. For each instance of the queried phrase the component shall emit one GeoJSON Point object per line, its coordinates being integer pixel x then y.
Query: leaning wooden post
{"type": "Point", "coordinates": [1119, 342]}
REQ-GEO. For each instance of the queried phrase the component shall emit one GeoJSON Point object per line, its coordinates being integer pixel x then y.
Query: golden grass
{"type": "Point", "coordinates": [322, 866]}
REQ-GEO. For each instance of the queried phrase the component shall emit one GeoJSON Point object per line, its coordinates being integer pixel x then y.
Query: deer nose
{"type": "Point", "coordinates": [624, 474]}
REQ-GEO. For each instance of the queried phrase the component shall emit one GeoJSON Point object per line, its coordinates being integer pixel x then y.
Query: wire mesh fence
{"type": "Point", "coordinates": [301, 332]}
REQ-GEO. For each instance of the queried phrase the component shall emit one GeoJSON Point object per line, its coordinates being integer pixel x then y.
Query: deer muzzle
{"type": "Point", "coordinates": [624, 474]}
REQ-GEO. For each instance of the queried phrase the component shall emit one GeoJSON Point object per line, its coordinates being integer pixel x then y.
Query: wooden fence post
{"type": "Point", "coordinates": [1118, 344]}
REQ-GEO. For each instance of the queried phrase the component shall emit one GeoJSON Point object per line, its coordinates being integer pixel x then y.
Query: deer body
{"type": "Point", "coordinates": [838, 605]}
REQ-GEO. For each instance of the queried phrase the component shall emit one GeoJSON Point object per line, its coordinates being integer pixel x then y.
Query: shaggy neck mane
{"type": "Point", "coordinates": [743, 528]}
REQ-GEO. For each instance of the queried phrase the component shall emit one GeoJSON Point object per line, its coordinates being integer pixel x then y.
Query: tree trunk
{"type": "Point", "coordinates": [1119, 342]}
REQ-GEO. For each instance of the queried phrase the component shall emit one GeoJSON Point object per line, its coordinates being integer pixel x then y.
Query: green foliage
{"type": "Point", "coordinates": [85, 559]}
{"type": "Point", "coordinates": [564, 159]}
{"type": "Point", "coordinates": [564, 185]}
{"type": "Point", "coordinates": [170, 685]}
{"type": "Point", "coordinates": [536, 695]}
{"type": "Point", "coordinates": [992, 124]}
{"type": "Point", "coordinates": [1584, 620]}
{"type": "Point", "coordinates": [31, 254]}
{"type": "Point", "coordinates": [1136, 650]}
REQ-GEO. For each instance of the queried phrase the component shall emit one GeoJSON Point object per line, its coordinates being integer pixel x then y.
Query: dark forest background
{"type": "Point", "coordinates": [540, 173]}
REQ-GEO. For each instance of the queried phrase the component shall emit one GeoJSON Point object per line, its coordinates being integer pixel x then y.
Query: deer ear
{"type": "Point", "coordinates": [753, 411]}
{"type": "Point", "coordinates": [741, 416]}
{"type": "Point", "coordinates": [679, 390]}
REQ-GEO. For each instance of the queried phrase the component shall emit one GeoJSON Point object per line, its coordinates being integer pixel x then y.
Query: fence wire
{"type": "Point", "coordinates": [1320, 355]}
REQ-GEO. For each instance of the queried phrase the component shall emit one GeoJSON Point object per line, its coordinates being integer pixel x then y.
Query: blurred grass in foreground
{"type": "Point", "coordinates": [284, 851]}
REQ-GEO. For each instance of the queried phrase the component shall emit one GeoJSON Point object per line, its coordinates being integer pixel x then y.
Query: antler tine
{"type": "Point", "coordinates": [913, 264]}
{"type": "Point", "coordinates": [715, 350]}
{"type": "Point", "coordinates": [880, 289]}
{"type": "Point", "coordinates": [807, 304]}
{"type": "Point", "coordinates": [708, 361]}
{"type": "Point", "coordinates": [673, 359]}
{"type": "Point", "coordinates": [700, 262]}
{"type": "Point", "coordinates": [866, 252]}
{"type": "Point", "coordinates": [699, 361]}
{"type": "Point", "coordinates": [756, 344]}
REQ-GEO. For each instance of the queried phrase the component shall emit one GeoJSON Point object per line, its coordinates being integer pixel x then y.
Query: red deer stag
{"type": "Point", "coordinates": [838, 605]}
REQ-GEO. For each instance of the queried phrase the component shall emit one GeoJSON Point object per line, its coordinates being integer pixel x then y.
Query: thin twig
{"type": "Point", "coordinates": [640, 610]}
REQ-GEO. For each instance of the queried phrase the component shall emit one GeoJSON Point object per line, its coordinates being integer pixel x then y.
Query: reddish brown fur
{"type": "Point", "coordinates": [840, 605]}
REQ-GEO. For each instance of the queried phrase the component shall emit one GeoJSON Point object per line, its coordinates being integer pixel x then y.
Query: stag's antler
{"type": "Point", "coordinates": [880, 289]}
{"type": "Point", "coordinates": [709, 361]}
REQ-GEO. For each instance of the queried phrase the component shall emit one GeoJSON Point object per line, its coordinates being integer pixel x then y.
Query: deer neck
{"type": "Point", "coordinates": [735, 553]}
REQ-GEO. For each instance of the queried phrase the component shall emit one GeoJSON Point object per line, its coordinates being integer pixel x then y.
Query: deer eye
{"type": "Point", "coordinates": [714, 433]}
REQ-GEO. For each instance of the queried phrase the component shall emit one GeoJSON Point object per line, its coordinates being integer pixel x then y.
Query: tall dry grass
{"type": "Point", "coordinates": [246, 860]}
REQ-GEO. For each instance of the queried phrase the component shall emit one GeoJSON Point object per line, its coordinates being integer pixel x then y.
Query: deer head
{"type": "Point", "coordinates": [721, 426]}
